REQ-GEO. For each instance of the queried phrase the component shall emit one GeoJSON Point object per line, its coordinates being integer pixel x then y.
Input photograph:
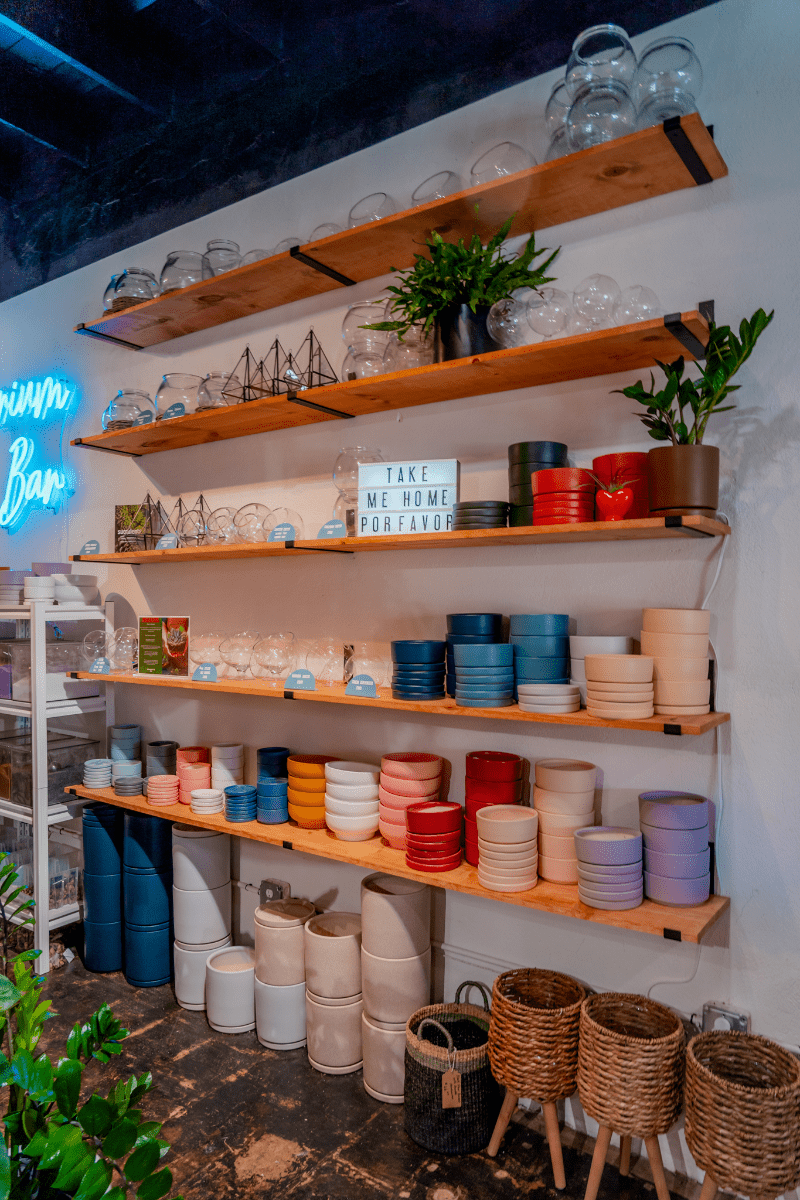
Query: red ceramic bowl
{"type": "Point", "coordinates": [434, 865]}
{"type": "Point", "coordinates": [562, 510]}
{"type": "Point", "coordinates": [474, 806]}
{"type": "Point", "coordinates": [470, 828]}
{"type": "Point", "coordinates": [502, 792]}
{"type": "Point", "coordinates": [493, 765]}
{"type": "Point", "coordinates": [585, 519]}
{"type": "Point", "coordinates": [562, 479]}
{"type": "Point", "coordinates": [434, 844]}
{"type": "Point", "coordinates": [434, 816]}
{"type": "Point", "coordinates": [542, 504]}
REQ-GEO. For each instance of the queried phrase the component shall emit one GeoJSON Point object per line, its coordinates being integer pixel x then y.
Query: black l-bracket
{"type": "Point", "coordinates": [106, 337]}
{"type": "Point", "coordinates": [332, 412]}
{"type": "Point", "coordinates": [106, 449]}
{"type": "Point", "coordinates": [687, 339]}
{"type": "Point", "coordinates": [686, 151]}
{"type": "Point", "coordinates": [297, 253]}
{"type": "Point", "coordinates": [676, 522]}
{"type": "Point", "coordinates": [290, 545]}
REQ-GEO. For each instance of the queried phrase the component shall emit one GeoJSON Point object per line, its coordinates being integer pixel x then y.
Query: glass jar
{"type": "Point", "coordinates": [600, 113]}
{"type": "Point", "coordinates": [599, 54]}
{"type": "Point", "coordinates": [125, 409]}
{"type": "Point", "coordinates": [415, 350]}
{"type": "Point", "coordinates": [222, 256]}
{"type": "Point", "coordinates": [183, 268]}
{"type": "Point", "coordinates": [668, 81]}
{"type": "Point", "coordinates": [366, 312]}
{"type": "Point", "coordinates": [345, 476]}
{"type": "Point", "coordinates": [108, 294]}
{"type": "Point", "coordinates": [218, 390]}
{"type": "Point", "coordinates": [134, 286]}
{"type": "Point", "coordinates": [176, 388]}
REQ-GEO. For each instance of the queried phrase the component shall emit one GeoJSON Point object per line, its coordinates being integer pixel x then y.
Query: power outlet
{"type": "Point", "coordinates": [274, 889]}
{"type": "Point", "coordinates": [718, 1016]}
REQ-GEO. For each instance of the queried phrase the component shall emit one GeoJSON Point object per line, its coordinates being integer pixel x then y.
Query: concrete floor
{"type": "Point", "coordinates": [247, 1122]}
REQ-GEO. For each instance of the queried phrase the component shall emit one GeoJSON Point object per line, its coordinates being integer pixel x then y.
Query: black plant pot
{"type": "Point", "coordinates": [460, 333]}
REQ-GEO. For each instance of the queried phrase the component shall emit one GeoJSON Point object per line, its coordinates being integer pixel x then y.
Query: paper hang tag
{"type": "Point", "coordinates": [205, 673]}
{"type": "Point", "coordinates": [282, 533]}
{"type": "Point", "coordinates": [169, 541]}
{"type": "Point", "coordinates": [333, 529]}
{"type": "Point", "coordinates": [451, 1089]}
{"type": "Point", "coordinates": [92, 547]}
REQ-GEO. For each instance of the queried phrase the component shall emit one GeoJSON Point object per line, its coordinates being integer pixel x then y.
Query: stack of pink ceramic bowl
{"type": "Point", "coordinates": [193, 776]}
{"type": "Point", "coordinates": [507, 852]}
{"type": "Point", "coordinates": [676, 854]}
{"type": "Point", "coordinates": [619, 687]}
{"type": "Point", "coordinates": [564, 799]}
{"type": "Point", "coordinates": [163, 790]}
{"type": "Point", "coordinates": [192, 754]}
{"type": "Point", "coordinates": [609, 867]}
{"type": "Point", "coordinates": [677, 641]}
{"type": "Point", "coordinates": [406, 778]}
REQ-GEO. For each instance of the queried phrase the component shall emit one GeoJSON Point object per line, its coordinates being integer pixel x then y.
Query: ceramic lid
{"type": "Point", "coordinates": [284, 914]}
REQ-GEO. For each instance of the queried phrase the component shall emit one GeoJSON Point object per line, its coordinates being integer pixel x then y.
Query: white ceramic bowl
{"type": "Point", "coordinates": [580, 646]}
{"type": "Point", "coordinates": [352, 772]}
{"type": "Point", "coordinates": [564, 775]}
{"type": "Point", "coordinates": [75, 580]}
{"type": "Point", "coordinates": [507, 874]}
{"type": "Point", "coordinates": [394, 988]}
{"type": "Point", "coordinates": [676, 620]}
{"type": "Point", "coordinates": [620, 879]}
{"type": "Point", "coordinates": [679, 669]}
{"type": "Point", "coordinates": [353, 829]}
{"type": "Point", "coordinates": [558, 870]}
{"type": "Point", "coordinates": [412, 765]}
{"type": "Point", "coordinates": [617, 698]}
{"type": "Point", "coordinates": [495, 885]}
{"type": "Point", "coordinates": [227, 750]}
{"type": "Point", "coordinates": [619, 668]}
{"type": "Point", "coordinates": [673, 810]}
{"type": "Point", "coordinates": [609, 870]}
{"type": "Point", "coordinates": [675, 841]}
{"type": "Point", "coordinates": [677, 893]}
{"type": "Point", "coordinates": [538, 707]}
{"type": "Point", "coordinates": [600, 689]}
{"type": "Point", "coordinates": [351, 808]}
{"type": "Point", "coordinates": [609, 891]}
{"type": "Point", "coordinates": [572, 804]}
{"type": "Point", "coordinates": [347, 791]}
{"type": "Point", "coordinates": [332, 950]}
{"type": "Point", "coordinates": [507, 847]}
{"type": "Point", "coordinates": [677, 866]}
{"type": "Point", "coordinates": [563, 824]}
{"type": "Point", "coordinates": [508, 823]}
{"type": "Point", "coordinates": [395, 916]}
{"type": "Point", "coordinates": [410, 789]}
{"type": "Point", "coordinates": [608, 844]}
{"type": "Point", "coordinates": [674, 645]}
{"type": "Point", "coordinates": [280, 1015]}
{"type": "Point", "coordinates": [546, 689]}
{"type": "Point", "coordinates": [681, 710]}
{"type": "Point", "coordinates": [69, 594]}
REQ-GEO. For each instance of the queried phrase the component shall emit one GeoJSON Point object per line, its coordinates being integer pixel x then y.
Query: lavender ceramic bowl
{"type": "Point", "coordinates": [623, 876]}
{"type": "Point", "coordinates": [602, 892]}
{"type": "Point", "coordinates": [607, 844]}
{"type": "Point", "coordinates": [677, 866]}
{"type": "Point", "coordinates": [613, 905]}
{"type": "Point", "coordinates": [673, 810]}
{"type": "Point", "coordinates": [680, 893]}
{"type": "Point", "coordinates": [675, 841]}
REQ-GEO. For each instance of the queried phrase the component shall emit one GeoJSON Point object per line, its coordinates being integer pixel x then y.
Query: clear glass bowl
{"type": "Point", "coordinates": [125, 649]}
{"type": "Point", "coordinates": [249, 523]}
{"type": "Point", "coordinates": [559, 145]}
{"type": "Point", "coordinates": [557, 107]}
{"type": "Point", "coordinates": [637, 303]}
{"type": "Point", "coordinates": [507, 323]}
{"type": "Point", "coordinates": [366, 312]}
{"type": "Point", "coordinates": [368, 363]}
{"type": "Point", "coordinates": [287, 244]}
{"type": "Point", "coordinates": [220, 528]}
{"type": "Point", "coordinates": [284, 516]}
{"type": "Point", "coordinates": [125, 409]}
{"type": "Point", "coordinates": [366, 659]}
{"type": "Point", "coordinates": [594, 299]}
{"type": "Point", "coordinates": [600, 113]}
{"type": "Point", "coordinates": [326, 229]}
{"type": "Point", "coordinates": [507, 158]}
{"type": "Point", "coordinates": [276, 656]}
{"type": "Point", "coordinates": [183, 268]}
{"type": "Point", "coordinates": [97, 644]}
{"type": "Point", "coordinates": [372, 208]}
{"type": "Point", "coordinates": [134, 286]}
{"type": "Point", "coordinates": [415, 350]}
{"type": "Point", "coordinates": [442, 184]}
{"type": "Point", "coordinates": [668, 81]}
{"type": "Point", "coordinates": [345, 469]}
{"type": "Point", "coordinates": [548, 312]}
{"type": "Point", "coordinates": [218, 390]}
{"type": "Point", "coordinates": [108, 294]}
{"type": "Point", "coordinates": [205, 649]}
{"type": "Point", "coordinates": [237, 649]}
{"type": "Point", "coordinates": [325, 661]}
{"type": "Point", "coordinates": [222, 256]}
{"type": "Point", "coordinates": [254, 256]}
{"type": "Point", "coordinates": [599, 54]}
{"type": "Point", "coordinates": [177, 388]}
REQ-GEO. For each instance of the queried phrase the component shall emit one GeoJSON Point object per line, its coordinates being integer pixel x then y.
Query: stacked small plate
{"type": "Point", "coordinates": [677, 640]}
{"type": "Point", "coordinates": [619, 687]}
{"type": "Point", "coordinates": [433, 838]}
{"type": "Point", "coordinates": [541, 648]}
{"type": "Point", "coordinates": [97, 773]}
{"type": "Point", "coordinates": [610, 867]}
{"type": "Point", "coordinates": [479, 629]}
{"type": "Point", "coordinates": [351, 807]}
{"type": "Point", "coordinates": [676, 853]}
{"type": "Point", "coordinates": [161, 758]}
{"type": "Point", "coordinates": [10, 593]}
{"type": "Point", "coordinates": [418, 672]}
{"type": "Point", "coordinates": [162, 790]}
{"type": "Point", "coordinates": [39, 587]}
{"type": "Point", "coordinates": [306, 791]}
{"type": "Point", "coordinates": [193, 775]}
{"type": "Point", "coordinates": [484, 675]}
{"type": "Point", "coordinates": [240, 803]}
{"type": "Point", "coordinates": [127, 778]}
{"type": "Point", "coordinates": [549, 697]}
{"type": "Point", "coordinates": [507, 848]}
{"type": "Point", "coordinates": [406, 778]}
{"type": "Point", "coordinates": [564, 799]}
{"type": "Point", "coordinates": [227, 764]}
{"type": "Point", "coordinates": [579, 647]}
{"type": "Point", "coordinates": [480, 514]}
{"type": "Point", "coordinates": [206, 801]}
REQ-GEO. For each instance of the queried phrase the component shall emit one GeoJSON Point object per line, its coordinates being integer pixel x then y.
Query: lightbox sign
{"type": "Point", "coordinates": [33, 476]}
{"type": "Point", "coordinates": [407, 497]}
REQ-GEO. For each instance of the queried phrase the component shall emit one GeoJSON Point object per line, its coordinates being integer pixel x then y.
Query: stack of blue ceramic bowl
{"type": "Point", "coordinates": [124, 742]}
{"type": "Point", "coordinates": [540, 643]}
{"type": "Point", "coordinates": [272, 785]}
{"type": "Point", "coordinates": [524, 459]}
{"type": "Point", "coordinates": [484, 675]}
{"type": "Point", "coordinates": [147, 897]}
{"type": "Point", "coordinates": [469, 629]}
{"type": "Point", "coordinates": [97, 772]}
{"type": "Point", "coordinates": [102, 887]}
{"type": "Point", "coordinates": [241, 803]}
{"type": "Point", "coordinates": [162, 758]}
{"type": "Point", "coordinates": [418, 670]}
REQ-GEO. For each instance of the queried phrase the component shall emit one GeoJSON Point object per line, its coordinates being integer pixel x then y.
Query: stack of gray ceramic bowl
{"type": "Point", "coordinates": [480, 514]}
{"type": "Point", "coordinates": [162, 758]}
{"type": "Point", "coordinates": [609, 867]}
{"type": "Point", "coordinates": [524, 459]}
{"type": "Point", "coordinates": [676, 852]}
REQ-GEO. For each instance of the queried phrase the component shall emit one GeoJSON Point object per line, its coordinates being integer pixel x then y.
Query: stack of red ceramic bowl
{"type": "Point", "coordinates": [493, 777]}
{"type": "Point", "coordinates": [406, 778]}
{"type": "Point", "coordinates": [433, 838]}
{"type": "Point", "coordinates": [562, 496]}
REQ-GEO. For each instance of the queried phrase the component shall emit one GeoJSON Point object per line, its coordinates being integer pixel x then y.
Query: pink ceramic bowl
{"type": "Point", "coordinates": [410, 765]}
{"type": "Point", "coordinates": [395, 834]}
{"type": "Point", "coordinates": [418, 789]}
{"type": "Point", "coordinates": [400, 803]}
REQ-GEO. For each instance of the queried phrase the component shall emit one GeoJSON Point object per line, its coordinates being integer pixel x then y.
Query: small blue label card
{"type": "Point", "coordinates": [361, 685]}
{"type": "Point", "coordinates": [282, 533]}
{"type": "Point", "coordinates": [205, 673]}
{"type": "Point", "coordinates": [145, 418]}
{"type": "Point", "coordinates": [333, 529]}
{"type": "Point", "coordinates": [168, 542]}
{"type": "Point", "coordinates": [174, 410]}
{"type": "Point", "coordinates": [92, 547]}
{"type": "Point", "coordinates": [300, 681]}
{"type": "Point", "coordinates": [100, 666]}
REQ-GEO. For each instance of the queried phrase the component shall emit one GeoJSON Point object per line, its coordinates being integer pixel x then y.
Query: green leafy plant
{"type": "Point", "coordinates": [670, 409]}
{"type": "Point", "coordinates": [54, 1144]}
{"type": "Point", "coordinates": [461, 273]}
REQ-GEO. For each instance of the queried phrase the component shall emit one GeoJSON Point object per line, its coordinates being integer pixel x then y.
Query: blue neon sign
{"type": "Point", "coordinates": [35, 411]}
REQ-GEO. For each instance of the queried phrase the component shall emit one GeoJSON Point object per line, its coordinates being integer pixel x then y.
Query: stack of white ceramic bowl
{"type": "Point", "coordinates": [227, 765]}
{"type": "Point", "coordinates": [581, 645]}
{"type": "Point", "coordinates": [619, 687]}
{"type": "Point", "coordinates": [201, 902]}
{"type": "Point", "coordinates": [609, 867]}
{"type": "Point", "coordinates": [396, 975]}
{"type": "Point", "coordinates": [351, 800]}
{"type": "Point", "coordinates": [75, 591]}
{"type": "Point", "coordinates": [676, 852]}
{"type": "Point", "coordinates": [39, 587]}
{"type": "Point", "coordinates": [508, 856]}
{"type": "Point", "coordinates": [406, 778]}
{"type": "Point", "coordinates": [207, 801]}
{"type": "Point", "coordinates": [10, 591]}
{"type": "Point", "coordinates": [677, 641]}
{"type": "Point", "coordinates": [563, 796]}
{"type": "Point", "coordinates": [549, 697]}
{"type": "Point", "coordinates": [281, 973]}
{"type": "Point", "coordinates": [230, 989]}
{"type": "Point", "coordinates": [332, 950]}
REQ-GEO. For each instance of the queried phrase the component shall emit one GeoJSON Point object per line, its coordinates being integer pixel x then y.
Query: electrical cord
{"type": "Point", "coordinates": [723, 547]}
{"type": "Point", "coordinates": [678, 982]}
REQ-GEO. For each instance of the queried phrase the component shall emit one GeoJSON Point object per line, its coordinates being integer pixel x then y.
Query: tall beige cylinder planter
{"type": "Point", "coordinates": [384, 1047]}
{"type": "Point", "coordinates": [333, 1033]}
{"type": "Point", "coordinates": [394, 988]}
{"type": "Point", "coordinates": [332, 948]}
{"type": "Point", "coordinates": [395, 916]}
{"type": "Point", "coordinates": [280, 941]}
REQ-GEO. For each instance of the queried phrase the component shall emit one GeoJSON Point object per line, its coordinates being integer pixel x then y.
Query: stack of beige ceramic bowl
{"type": "Point", "coordinates": [677, 641]}
{"type": "Point", "coordinates": [280, 973]}
{"type": "Point", "coordinates": [563, 796]}
{"type": "Point", "coordinates": [396, 976]}
{"type": "Point", "coordinates": [201, 898]}
{"type": "Point", "coordinates": [332, 951]}
{"type": "Point", "coordinates": [508, 856]}
{"type": "Point", "coordinates": [619, 687]}
{"type": "Point", "coordinates": [581, 645]}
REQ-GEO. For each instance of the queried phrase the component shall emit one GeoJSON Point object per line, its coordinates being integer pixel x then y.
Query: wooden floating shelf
{"type": "Point", "coordinates": [646, 528]}
{"type": "Point", "coordinates": [637, 167]}
{"type": "Point", "coordinates": [624, 348]}
{"type": "Point", "coordinates": [435, 708]}
{"type": "Point", "coordinates": [677, 924]}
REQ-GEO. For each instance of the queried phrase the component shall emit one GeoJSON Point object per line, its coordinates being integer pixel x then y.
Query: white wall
{"type": "Point", "coordinates": [736, 241]}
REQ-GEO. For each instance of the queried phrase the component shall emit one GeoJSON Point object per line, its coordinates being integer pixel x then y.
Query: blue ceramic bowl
{"type": "Point", "coordinates": [237, 820]}
{"type": "Point", "coordinates": [480, 694]}
{"type": "Point", "coordinates": [499, 702]}
{"type": "Point", "coordinates": [418, 698]}
{"type": "Point", "coordinates": [123, 753]}
{"type": "Point", "coordinates": [418, 652]}
{"type": "Point", "coordinates": [474, 623]}
{"type": "Point", "coordinates": [265, 752]}
{"type": "Point", "coordinates": [273, 787]}
{"type": "Point", "coordinates": [540, 647]}
{"type": "Point", "coordinates": [127, 768]}
{"type": "Point", "coordinates": [272, 817]}
{"type": "Point", "coordinates": [469, 639]}
{"type": "Point", "coordinates": [125, 731]}
{"type": "Point", "coordinates": [468, 674]}
{"type": "Point", "coordinates": [532, 670]}
{"type": "Point", "coordinates": [240, 789]}
{"type": "Point", "coordinates": [497, 654]}
{"type": "Point", "coordinates": [427, 690]}
{"type": "Point", "coordinates": [417, 668]}
{"type": "Point", "coordinates": [539, 624]}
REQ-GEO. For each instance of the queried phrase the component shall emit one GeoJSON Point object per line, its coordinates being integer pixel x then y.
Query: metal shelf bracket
{"type": "Point", "coordinates": [106, 449]}
{"type": "Point", "coordinates": [686, 151]}
{"type": "Point", "coordinates": [345, 280]}
{"type": "Point", "coordinates": [106, 337]}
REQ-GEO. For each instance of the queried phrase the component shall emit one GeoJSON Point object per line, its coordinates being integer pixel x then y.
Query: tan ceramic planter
{"type": "Point", "coordinates": [280, 957]}
{"type": "Point", "coordinates": [394, 988]}
{"type": "Point", "coordinates": [332, 948]}
{"type": "Point", "coordinates": [395, 916]}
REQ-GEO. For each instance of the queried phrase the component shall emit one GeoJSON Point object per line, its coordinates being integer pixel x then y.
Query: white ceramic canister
{"type": "Point", "coordinates": [201, 917]}
{"type": "Point", "coordinates": [201, 858]}
{"type": "Point", "coordinates": [280, 960]}
{"type": "Point", "coordinates": [333, 1034]}
{"type": "Point", "coordinates": [230, 990]}
{"type": "Point", "coordinates": [395, 916]}
{"type": "Point", "coordinates": [332, 948]}
{"type": "Point", "coordinates": [190, 973]}
{"type": "Point", "coordinates": [394, 988]}
{"type": "Point", "coordinates": [280, 1015]}
{"type": "Point", "coordinates": [384, 1047]}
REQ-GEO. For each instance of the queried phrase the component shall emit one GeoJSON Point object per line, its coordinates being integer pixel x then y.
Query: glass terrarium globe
{"type": "Point", "coordinates": [97, 644]}
{"type": "Point", "coordinates": [192, 528]}
{"type": "Point", "coordinates": [183, 268]}
{"type": "Point", "coordinates": [372, 208]}
{"type": "Point", "coordinates": [326, 229]}
{"type": "Point", "coordinates": [220, 528]}
{"type": "Point", "coordinates": [125, 649]}
{"type": "Point", "coordinates": [415, 350]}
{"type": "Point", "coordinates": [637, 303]}
{"type": "Point", "coordinates": [559, 145]}
{"type": "Point", "coordinates": [125, 409]}
{"type": "Point", "coordinates": [325, 661]}
{"type": "Point", "coordinates": [254, 256]}
{"type": "Point", "coordinates": [205, 649]}
{"type": "Point", "coordinates": [222, 256]}
{"type": "Point", "coordinates": [505, 159]}
{"type": "Point", "coordinates": [557, 107]}
{"type": "Point", "coordinates": [367, 312]}
{"type": "Point", "coordinates": [284, 516]}
{"type": "Point", "coordinates": [444, 183]}
{"type": "Point", "coordinates": [600, 112]}
{"type": "Point", "coordinates": [275, 655]}
{"type": "Point", "coordinates": [108, 294]}
{"type": "Point", "coordinates": [348, 370]}
{"type": "Point", "coordinates": [599, 54]}
{"type": "Point", "coordinates": [367, 363]}
{"type": "Point", "coordinates": [507, 322]}
{"type": "Point", "coordinates": [548, 312]}
{"type": "Point", "coordinates": [366, 659]}
{"type": "Point", "coordinates": [177, 388]}
{"type": "Point", "coordinates": [287, 243]}
{"type": "Point", "coordinates": [237, 650]}
{"type": "Point", "coordinates": [594, 299]}
{"type": "Point", "coordinates": [134, 286]}
{"type": "Point", "coordinates": [249, 522]}
{"type": "Point", "coordinates": [345, 469]}
{"type": "Point", "coordinates": [218, 390]}
{"type": "Point", "coordinates": [668, 81]}
{"type": "Point", "coordinates": [578, 324]}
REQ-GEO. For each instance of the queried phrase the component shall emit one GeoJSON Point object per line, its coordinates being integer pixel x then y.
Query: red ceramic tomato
{"type": "Point", "coordinates": [614, 506]}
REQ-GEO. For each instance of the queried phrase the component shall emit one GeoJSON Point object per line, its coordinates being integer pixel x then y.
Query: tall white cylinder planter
{"type": "Point", "coordinates": [201, 858]}
{"type": "Point", "coordinates": [230, 990]}
{"type": "Point", "coordinates": [384, 1048]}
{"type": "Point", "coordinates": [280, 1015]}
{"type": "Point", "coordinates": [394, 988]}
{"type": "Point", "coordinates": [280, 957]}
{"type": "Point", "coordinates": [190, 974]}
{"type": "Point", "coordinates": [203, 916]}
{"type": "Point", "coordinates": [333, 1034]}
{"type": "Point", "coordinates": [332, 949]}
{"type": "Point", "coordinates": [395, 916]}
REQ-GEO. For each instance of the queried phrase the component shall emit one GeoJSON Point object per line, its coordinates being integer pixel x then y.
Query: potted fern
{"type": "Point", "coordinates": [452, 288]}
{"type": "Point", "coordinates": [684, 476]}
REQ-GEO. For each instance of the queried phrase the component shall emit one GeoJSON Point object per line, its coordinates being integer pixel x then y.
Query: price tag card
{"type": "Point", "coordinates": [300, 681]}
{"type": "Point", "coordinates": [92, 547]}
{"type": "Point", "coordinates": [174, 410]}
{"type": "Point", "coordinates": [333, 529]}
{"type": "Point", "coordinates": [282, 533]}
{"type": "Point", "coordinates": [145, 418]}
{"type": "Point", "coordinates": [100, 666]}
{"type": "Point", "coordinates": [361, 685]}
{"type": "Point", "coordinates": [451, 1089]}
{"type": "Point", "coordinates": [168, 542]}
{"type": "Point", "coordinates": [205, 673]}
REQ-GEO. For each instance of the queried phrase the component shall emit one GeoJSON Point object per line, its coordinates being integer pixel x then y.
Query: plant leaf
{"type": "Point", "coordinates": [60, 1139]}
{"type": "Point", "coordinates": [143, 1161]}
{"type": "Point", "coordinates": [156, 1185]}
{"type": "Point", "coordinates": [76, 1162]}
{"type": "Point", "coordinates": [96, 1116]}
{"type": "Point", "coordinates": [121, 1140]}
{"type": "Point", "coordinates": [95, 1182]}
{"type": "Point", "coordinates": [67, 1086]}
{"type": "Point", "coordinates": [5, 1172]}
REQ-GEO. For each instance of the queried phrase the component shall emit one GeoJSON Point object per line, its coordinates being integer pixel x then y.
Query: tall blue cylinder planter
{"type": "Point", "coordinates": [102, 898]}
{"type": "Point", "coordinates": [103, 833]}
{"type": "Point", "coordinates": [102, 946]}
{"type": "Point", "coordinates": [147, 897]}
{"type": "Point", "coordinates": [148, 842]}
{"type": "Point", "coordinates": [148, 955]}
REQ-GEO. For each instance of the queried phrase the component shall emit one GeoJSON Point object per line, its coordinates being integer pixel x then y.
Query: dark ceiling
{"type": "Point", "coordinates": [120, 119]}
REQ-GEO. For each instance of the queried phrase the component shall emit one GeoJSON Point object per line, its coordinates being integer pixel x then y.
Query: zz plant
{"type": "Point", "coordinates": [56, 1142]}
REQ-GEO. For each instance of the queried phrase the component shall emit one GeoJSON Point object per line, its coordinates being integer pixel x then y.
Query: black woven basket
{"type": "Point", "coordinates": [441, 1037]}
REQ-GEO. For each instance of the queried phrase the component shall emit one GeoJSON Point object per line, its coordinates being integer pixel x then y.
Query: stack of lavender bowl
{"type": "Point", "coordinates": [676, 852]}
{"type": "Point", "coordinates": [609, 867]}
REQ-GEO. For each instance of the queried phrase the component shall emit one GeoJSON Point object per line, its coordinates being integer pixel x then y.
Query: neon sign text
{"type": "Point", "coordinates": [35, 411]}
{"type": "Point", "coordinates": [35, 399]}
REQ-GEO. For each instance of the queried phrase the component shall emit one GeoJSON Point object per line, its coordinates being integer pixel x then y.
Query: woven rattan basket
{"type": "Point", "coordinates": [630, 1063]}
{"type": "Point", "coordinates": [743, 1112]}
{"type": "Point", "coordinates": [533, 1035]}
